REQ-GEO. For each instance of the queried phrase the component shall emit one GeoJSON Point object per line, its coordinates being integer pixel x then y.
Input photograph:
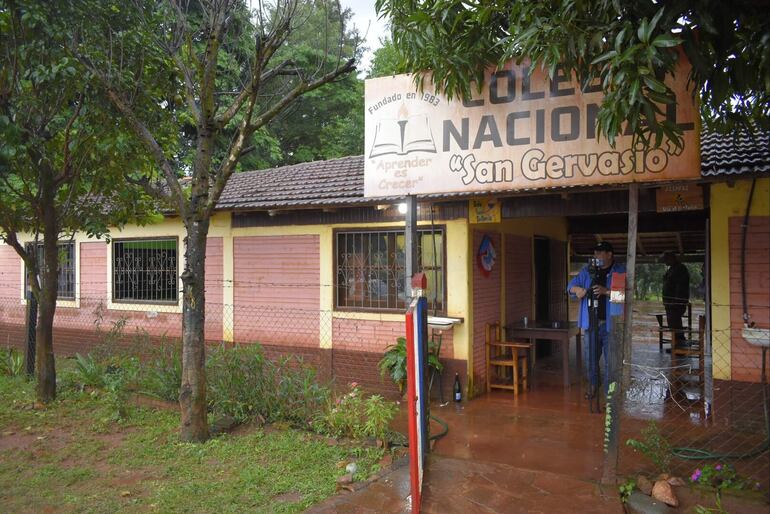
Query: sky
{"type": "Point", "coordinates": [365, 19]}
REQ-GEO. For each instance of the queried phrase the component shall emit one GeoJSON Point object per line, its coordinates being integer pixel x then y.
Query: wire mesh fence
{"type": "Point", "coordinates": [706, 392]}
{"type": "Point", "coordinates": [285, 318]}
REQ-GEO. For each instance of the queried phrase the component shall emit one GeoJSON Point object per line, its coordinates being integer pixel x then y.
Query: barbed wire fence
{"type": "Point", "coordinates": [286, 319]}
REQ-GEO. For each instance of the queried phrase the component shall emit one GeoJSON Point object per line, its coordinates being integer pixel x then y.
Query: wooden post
{"type": "Point", "coordinates": [621, 350]}
{"type": "Point", "coordinates": [633, 218]}
{"type": "Point", "coordinates": [410, 245]}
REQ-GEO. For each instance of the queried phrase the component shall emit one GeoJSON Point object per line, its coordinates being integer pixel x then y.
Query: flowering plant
{"type": "Point", "coordinates": [719, 477]}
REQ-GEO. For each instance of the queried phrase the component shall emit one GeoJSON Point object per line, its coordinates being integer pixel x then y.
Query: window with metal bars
{"type": "Point", "coordinates": [370, 269]}
{"type": "Point", "coordinates": [144, 270]}
{"type": "Point", "coordinates": [66, 290]}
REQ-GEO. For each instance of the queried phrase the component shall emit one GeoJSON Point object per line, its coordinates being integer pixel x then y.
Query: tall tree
{"type": "Point", "coordinates": [386, 60]}
{"type": "Point", "coordinates": [628, 45]}
{"type": "Point", "coordinates": [59, 155]}
{"type": "Point", "coordinates": [328, 122]}
{"type": "Point", "coordinates": [169, 63]}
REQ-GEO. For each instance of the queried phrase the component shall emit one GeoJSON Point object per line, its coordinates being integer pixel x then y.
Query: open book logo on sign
{"type": "Point", "coordinates": [400, 137]}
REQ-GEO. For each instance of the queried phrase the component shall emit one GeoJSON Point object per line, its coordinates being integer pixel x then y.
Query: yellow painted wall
{"type": "Point", "coordinates": [727, 202]}
{"type": "Point", "coordinates": [553, 228]}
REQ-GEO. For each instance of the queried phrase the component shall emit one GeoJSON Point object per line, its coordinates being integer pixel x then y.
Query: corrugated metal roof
{"type": "Point", "coordinates": [338, 182]}
{"type": "Point", "coordinates": [725, 154]}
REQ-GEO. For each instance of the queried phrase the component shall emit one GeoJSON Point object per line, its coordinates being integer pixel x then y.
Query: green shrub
{"type": "Point", "coordinates": [244, 384]}
{"type": "Point", "coordinates": [393, 363]}
{"type": "Point", "coordinates": [352, 415]}
{"type": "Point", "coordinates": [11, 362]}
{"type": "Point", "coordinates": [89, 371]}
{"type": "Point", "coordinates": [161, 376]}
{"type": "Point", "coordinates": [654, 446]}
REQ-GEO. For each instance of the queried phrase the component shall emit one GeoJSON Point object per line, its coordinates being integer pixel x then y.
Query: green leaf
{"type": "Point", "coordinates": [666, 41]}
{"type": "Point", "coordinates": [605, 56]}
{"type": "Point", "coordinates": [641, 32]}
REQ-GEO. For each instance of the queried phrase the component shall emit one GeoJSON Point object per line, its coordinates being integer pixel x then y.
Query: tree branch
{"type": "Point", "coordinates": [225, 118]}
{"type": "Point", "coordinates": [66, 171]}
{"type": "Point", "coordinates": [247, 128]}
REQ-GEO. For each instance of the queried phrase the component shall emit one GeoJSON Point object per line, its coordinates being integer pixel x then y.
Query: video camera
{"type": "Point", "coordinates": [594, 268]}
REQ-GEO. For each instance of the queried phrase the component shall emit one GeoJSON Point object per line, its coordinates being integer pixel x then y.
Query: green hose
{"type": "Point", "coordinates": [443, 424]}
{"type": "Point", "coordinates": [698, 454]}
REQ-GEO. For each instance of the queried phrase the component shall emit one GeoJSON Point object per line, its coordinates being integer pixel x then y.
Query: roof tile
{"type": "Point", "coordinates": [338, 182]}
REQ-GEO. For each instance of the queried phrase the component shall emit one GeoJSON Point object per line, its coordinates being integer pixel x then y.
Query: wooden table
{"type": "Point", "coordinates": [559, 331]}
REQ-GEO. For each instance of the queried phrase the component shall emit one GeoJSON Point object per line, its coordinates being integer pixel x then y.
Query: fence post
{"type": "Point", "coordinates": [621, 347]}
{"type": "Point", "coordinates": [614, 401]}
{"type": "Point", "coordinates": [29, 355]}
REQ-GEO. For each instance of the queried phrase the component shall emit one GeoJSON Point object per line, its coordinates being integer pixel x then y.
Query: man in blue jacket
{"type": "Point", "coordinates": [579, 287]}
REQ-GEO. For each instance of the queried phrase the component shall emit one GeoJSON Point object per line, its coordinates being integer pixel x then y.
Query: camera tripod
{"type": "Point", "coordinates": [593, 352]}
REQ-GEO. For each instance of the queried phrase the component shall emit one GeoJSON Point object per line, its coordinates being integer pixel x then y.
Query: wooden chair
{"type": "Point", "coordinates": [504, 356]}
{"type": "Point", "coordinates": [690, 351]}
{"type": "Point", "coordinates": [664, 330]}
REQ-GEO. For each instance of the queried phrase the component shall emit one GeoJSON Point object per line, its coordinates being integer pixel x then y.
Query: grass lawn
{"type": "Point", "coordinates": [73, 457]}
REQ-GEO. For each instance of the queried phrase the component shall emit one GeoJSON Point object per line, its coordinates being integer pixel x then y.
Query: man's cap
{"type": "Point", "coordinates": [665, 254]}
{"type": "Point", "coordinates": [603, 246]}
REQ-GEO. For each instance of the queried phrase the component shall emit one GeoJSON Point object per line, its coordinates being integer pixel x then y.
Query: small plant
{"type": "Point", "coordinates": [379, 414]}
{"type": "Point", "coordinates": [11, 363]}
{"type": "Point", "coordinates": [626, 488]}
{"type": "Point", "coordinates": [88, 371]}
{"type": "Point", "coordinates": [352, 415]}
{"type": "Point", "coordinates": [393, 363]}
{"type": "Point", "coordinates": [162, 377]}
{"type": "Point", "coordinates": [117, 380]}
{"type": "Point", "coordinates": [654, 446]}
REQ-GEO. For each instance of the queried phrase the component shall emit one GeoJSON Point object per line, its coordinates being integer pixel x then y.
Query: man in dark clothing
{"type": "Point", "coordinates": [676, 292]}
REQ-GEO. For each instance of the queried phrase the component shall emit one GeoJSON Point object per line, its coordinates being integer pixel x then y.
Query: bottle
{"type": "Point", "coordinates": [457, 389]}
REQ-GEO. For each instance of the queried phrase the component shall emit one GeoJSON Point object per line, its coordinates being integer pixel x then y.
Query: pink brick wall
{"type": "Point", "coordinates": [214, 290]}
{"type": "Point", "coordinates": [486, 306]}
{"type": "Point", "coordinates": [518, 277]}
{"type": "Point", "coordinates": [78, 329]}
{"type": "Point", "coordinates": [365, 335]}
{"type": "Point", "coordinates": [746, 359]}
{"type": "Point", "coordinates": [10, 273]}
{"type": "Point", "coordinates": [277, 289]}
{"type": "Point", "coordinates": [93, 270]}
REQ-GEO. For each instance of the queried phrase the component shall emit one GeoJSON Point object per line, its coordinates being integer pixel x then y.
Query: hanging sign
{"type": "Point", "coordinates": [486, 256]}
{"type": "Point", "coordinates": [618, 288]}
{"type": "Point", "coordinates": [523, 131]}
{"type": "Point", "coordinates": [679, 197]}
{"type": "Point", "coordinates": [484, 210]}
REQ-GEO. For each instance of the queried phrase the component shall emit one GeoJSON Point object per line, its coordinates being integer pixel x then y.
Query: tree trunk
{"type": "Point", "coordinates": [192, 397]}
{"type": "Point", "coordinates": [45, 367]}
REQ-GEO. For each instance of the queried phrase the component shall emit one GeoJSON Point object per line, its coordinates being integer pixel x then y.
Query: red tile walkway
{"type": "Point", "coordinates": [540, 453]}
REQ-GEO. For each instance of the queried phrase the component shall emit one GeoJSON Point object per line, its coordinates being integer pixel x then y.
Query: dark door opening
{"type": "Point", "coordinates": [542, 287]}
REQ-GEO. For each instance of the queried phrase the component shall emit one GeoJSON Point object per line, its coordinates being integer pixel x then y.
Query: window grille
{"type": "Point", "coordinates": [370, 269]}
{"type": "Point", "coordinates": [66, 290]}
{"type": "Point", "coordinates": [145, 270]}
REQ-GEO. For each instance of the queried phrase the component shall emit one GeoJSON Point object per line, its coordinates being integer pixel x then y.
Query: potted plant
{"type": "Point", "coordinates": [393, 363]}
